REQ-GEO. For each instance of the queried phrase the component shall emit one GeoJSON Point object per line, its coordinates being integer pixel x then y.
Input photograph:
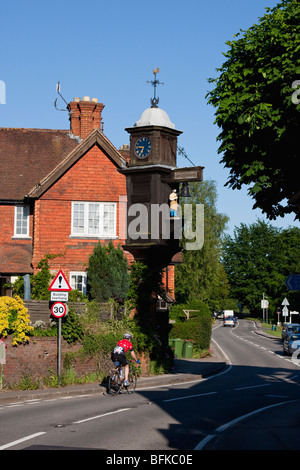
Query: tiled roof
{"type": "Point", "coordinates": [27, 156]}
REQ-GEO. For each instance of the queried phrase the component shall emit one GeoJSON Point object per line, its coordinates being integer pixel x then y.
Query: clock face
{"type": "Point", "coordinates": [142, 147]}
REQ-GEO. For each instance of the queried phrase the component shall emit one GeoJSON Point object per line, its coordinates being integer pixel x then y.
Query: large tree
{"type": "Point", "coordinates": [201, 276]}
{"type": "Point", "coordinates": [108, 275]}
{"type": "Point", "coordinates": [258, 110]}
{"type": "Point", "coordinates": [257, 260]}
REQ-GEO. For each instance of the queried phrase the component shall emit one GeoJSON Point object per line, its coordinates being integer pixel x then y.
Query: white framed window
{"type": "Point", "coordinates": [78, 280]}
{"type": "Point", "coordinates": [94, 219]}
{"type": "Point", "coordinates": [21, 228]}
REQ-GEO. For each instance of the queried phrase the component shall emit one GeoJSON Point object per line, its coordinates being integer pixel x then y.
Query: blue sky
{"type": "Point", "coordinates": [107, 50]}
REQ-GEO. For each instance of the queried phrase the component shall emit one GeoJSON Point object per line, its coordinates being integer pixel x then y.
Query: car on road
{"type": "Point", "coordinates": [291, 343]}
{"type": "Point", "coordinates": [229, 320]}
{"type": "Point", "coordinates": [289, 328]}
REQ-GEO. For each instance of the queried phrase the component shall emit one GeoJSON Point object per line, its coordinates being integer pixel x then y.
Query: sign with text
{"type": "Point", "coordinates": [59, 309]}
{"type": "Point", "coordinates": [59, 296]}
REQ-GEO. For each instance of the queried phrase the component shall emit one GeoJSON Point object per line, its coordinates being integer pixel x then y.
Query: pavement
{"type": "Point", "coordinates": [185, 370]}
{"type": "Point", "coordinates": [259, 331]}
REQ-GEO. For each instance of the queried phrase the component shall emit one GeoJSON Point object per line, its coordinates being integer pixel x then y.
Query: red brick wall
{"type": "Point", "coordinates": [13, 257]}
{"type": "Point", "coordinates": [36, 358]}
{"type": "Point", "coordinates": [93, 178]}
{"type": "Point", "coordinates": [169, 280]}
{"type": "Point", "coordinates": [7, 214]}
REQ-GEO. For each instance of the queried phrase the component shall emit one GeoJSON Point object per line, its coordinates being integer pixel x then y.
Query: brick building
{"type": "Point", "coordinates": [60, 193]}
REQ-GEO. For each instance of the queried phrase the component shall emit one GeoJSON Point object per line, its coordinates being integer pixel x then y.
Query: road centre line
{"type": "Point", "coordinates": [252, 386]}
{"type": "Point", "coordinates": [101, 416]}
{"type": "Point", "coordinates": [23, 439]}
{"type": "Point", "coordinates": [189, 396]}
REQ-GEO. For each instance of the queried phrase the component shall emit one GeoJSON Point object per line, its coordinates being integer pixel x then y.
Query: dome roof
{"type": "Point", "coordinates": [154, 117]}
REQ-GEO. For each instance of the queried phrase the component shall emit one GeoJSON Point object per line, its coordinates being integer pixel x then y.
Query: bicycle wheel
{"type": "Point", "coordinates": [114, 383]}
{"type": "Point", "coordinates": [132, 381]}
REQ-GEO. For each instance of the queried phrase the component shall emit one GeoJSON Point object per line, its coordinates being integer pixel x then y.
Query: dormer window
{"type": "Point", "coordinates": [21, 229]}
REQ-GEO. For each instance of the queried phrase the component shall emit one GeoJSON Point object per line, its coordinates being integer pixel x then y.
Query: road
{"type": "Point", "coordinates": [252, 404]}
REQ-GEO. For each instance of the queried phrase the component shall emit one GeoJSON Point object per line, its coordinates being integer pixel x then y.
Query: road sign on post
{"type": "Point", "coordinates": [59, 289]}
{"type": "Point", "coordinates": [59, 310]}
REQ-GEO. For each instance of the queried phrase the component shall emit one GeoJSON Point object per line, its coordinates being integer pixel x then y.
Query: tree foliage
{"type": "Point", "coordinates": [255, 109]}
{"type": "Point", "coordinates": [108, 276]}
{"type": "Point", "coordinates": [201, 276]}
{"type": "Point", "coordinates": [257, 260]}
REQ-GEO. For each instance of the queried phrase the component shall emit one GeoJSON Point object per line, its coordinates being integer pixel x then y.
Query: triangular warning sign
{"type": "Point", "coordinates": [60, 283]}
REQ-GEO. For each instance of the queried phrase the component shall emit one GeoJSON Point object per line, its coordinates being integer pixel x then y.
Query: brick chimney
{"type": "Point", "coordinates": [85, 116]}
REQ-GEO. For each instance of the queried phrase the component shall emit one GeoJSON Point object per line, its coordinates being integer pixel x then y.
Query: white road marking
{"type": "Point", "coordinates": [225, 426]}
{"type": "Point", "coordinates": [101, 416]}
{"type": "Point", "coordinates": [23, 439]}
{"type": "Point", "coordinates": [189, 396]}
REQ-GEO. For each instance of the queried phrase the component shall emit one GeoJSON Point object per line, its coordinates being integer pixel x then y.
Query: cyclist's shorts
{"type": "Point", "coordinates": [119, 357]}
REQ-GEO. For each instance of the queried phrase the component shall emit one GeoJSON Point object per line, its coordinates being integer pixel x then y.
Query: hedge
{"type": "Point", "coordinates": [197, 329]}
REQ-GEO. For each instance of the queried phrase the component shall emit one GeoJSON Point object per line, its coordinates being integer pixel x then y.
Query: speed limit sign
{"type": "Point", "coordinates": [59, 309]}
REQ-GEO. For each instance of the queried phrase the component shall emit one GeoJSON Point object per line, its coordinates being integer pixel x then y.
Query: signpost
{"type": "Point", "coordinates": [59, 290]}
{"type": "Point", "coordinates": [278, 311]}
{"type": "Point", "coordinates": [2, 360]}
{"type": "Point", "coordinates": [285, 310]}
{"type": "Point", "coordinates": [264, 305]}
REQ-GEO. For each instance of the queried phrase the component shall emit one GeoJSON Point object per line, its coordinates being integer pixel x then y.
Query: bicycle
{"type": "Point", "coordinates": [116, 379]}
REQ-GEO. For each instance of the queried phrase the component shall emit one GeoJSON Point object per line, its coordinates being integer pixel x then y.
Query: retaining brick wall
{"type": "Point", "coordinates": [37, 359]}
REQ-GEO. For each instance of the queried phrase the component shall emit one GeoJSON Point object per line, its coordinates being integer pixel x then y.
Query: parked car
{"type": "Point", "coordinates": [291, 343]}
{"type": "Point", "coordinates": [289, 328]}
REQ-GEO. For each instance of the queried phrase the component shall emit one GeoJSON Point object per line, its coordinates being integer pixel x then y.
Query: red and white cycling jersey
{"type": "Point", "coordinates": [123, 346]}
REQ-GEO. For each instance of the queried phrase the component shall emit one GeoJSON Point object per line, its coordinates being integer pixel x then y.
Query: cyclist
{"type": "Point", "coordinates": [118, 354]}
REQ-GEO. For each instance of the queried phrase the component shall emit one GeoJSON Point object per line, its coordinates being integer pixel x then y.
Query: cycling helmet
{"type": "Point", "coordinates": [127, 336]}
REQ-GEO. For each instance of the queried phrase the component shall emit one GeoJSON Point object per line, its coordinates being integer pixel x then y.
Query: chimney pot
{"type": "Point", "coordinates": [76, 100]}
{"type": "Point", "coordinates": [86, 98]}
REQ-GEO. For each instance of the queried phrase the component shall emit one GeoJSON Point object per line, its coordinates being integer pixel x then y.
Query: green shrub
{"type": "Point", "coordinates": [197, 328]}
{"type": "Point", "coordinates": [177, 310]}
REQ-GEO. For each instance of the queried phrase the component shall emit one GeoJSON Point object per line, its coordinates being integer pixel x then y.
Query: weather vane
{"type": "Point", "coordinates": [154, 101]}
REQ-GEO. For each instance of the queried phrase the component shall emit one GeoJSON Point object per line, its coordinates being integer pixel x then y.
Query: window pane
{"type": "Point", "coordinates": [93, 219]}
{"type": "Point", "coordinates": [78, 281]}
{"type": "Point", "coordinates": [78, 218]}
{"type": "Point", "coordinates": [22, 220]}
{"type": "Point", "coordinates": [109, 219]}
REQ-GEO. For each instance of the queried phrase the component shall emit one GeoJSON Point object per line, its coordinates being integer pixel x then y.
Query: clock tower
{"type": "Point", "coordinates": [151, 176]}
{"type": "Point", "coordinates": [153, 138]}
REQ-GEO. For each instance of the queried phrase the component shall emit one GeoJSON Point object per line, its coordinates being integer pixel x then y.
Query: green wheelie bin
{"type": "Point", "coordinates": [187, 350]}
{"type": "Point", "coordinates": [177, 347]}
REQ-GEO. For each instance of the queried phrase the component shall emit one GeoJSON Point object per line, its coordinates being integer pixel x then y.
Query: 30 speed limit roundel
{"type": "Point", "coordinates": [58, 309]}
